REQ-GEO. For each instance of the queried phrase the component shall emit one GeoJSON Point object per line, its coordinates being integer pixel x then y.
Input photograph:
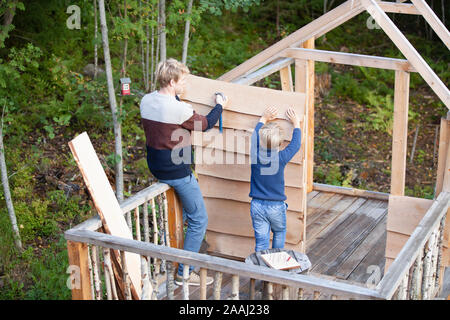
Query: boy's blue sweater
{"type": "Point", "coordinates": [267, 169]}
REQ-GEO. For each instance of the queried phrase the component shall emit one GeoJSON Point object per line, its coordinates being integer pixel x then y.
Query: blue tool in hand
{"type": "Point", "coordinates": [220, 119]}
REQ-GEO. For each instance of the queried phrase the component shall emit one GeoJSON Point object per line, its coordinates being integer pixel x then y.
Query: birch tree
{"type": "Point", "coordinates": [162, 30]}
{"type": "Point", "coordinates": [7, 193]}
{"type": "Point", "coordinates": [113, 103]}
{"type": "Point", "coordinates": [186, 32]}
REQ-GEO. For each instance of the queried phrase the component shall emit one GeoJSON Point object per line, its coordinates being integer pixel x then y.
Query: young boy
{"type": "Point", "coordinates": [167, 123]}
{"type": "Point", "coordinates": [268, 209]}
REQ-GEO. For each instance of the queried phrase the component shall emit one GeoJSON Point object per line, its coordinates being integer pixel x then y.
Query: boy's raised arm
{"type": "Point", "coordinates": [293, 146]}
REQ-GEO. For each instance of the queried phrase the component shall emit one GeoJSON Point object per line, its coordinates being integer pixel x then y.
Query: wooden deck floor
{"type": "Point", "coordinates": [345, 235]}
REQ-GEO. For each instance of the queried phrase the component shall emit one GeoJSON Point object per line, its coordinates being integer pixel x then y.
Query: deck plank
{"type": "Point", "coordinates": [347, 236]}
{"type": "Point", "coordinates": [372, 240]}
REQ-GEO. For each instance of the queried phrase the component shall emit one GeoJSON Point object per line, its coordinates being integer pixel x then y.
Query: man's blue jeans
{"type": "Point", "coordinates": [194, 211]}
{"type": "Point", "coordinates": [268, 215]}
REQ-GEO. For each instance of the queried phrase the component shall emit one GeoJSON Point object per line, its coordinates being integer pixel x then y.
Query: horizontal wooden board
{"type": "Point", "coordinates": [213, 187]}
{"type": "Point", "coordinates": [236, 246]}
{"type": "Point", "coordinates": [242, 98]}
{"type": "Point", "coordinates": [232, 140]}
{"type": "Point", "coordinates": [405, 213]}
{"type": "Point", "coordinates": [233, 217]}
{"type": "Point", "coordinates": [394, 243]}
{"type": "Point", "coordinates": [293, 173]}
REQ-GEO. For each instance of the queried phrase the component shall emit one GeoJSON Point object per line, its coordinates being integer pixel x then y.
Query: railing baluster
{"type": "Point", "coordinates": [217, 285]}
{"type": "Point", "coordinates": [107, 277]}
{"type": "Point", "coordinates": [137, 224]}
{"type": "Point", "coordinates": [147, 289]}
{"type": "Point", "coordinates": [416, 278]}
{"type": "Point", "coordinates": [403, 288]}
{"type": "Point", "coordinates": [91, 271]}
{"type": "Point", "coordinates": [300, 294]}
{"type": "Point", "coordinates": [126, 283]}
{"type": "Point", "coordinates": [166, 219]}
{"type": "Point", "coordinates": [203, 283]}
{"type": "Point", "coordinates": [169, 282]}
{"type": "Point", "coordinates": [427, 267]}
{"type": "Point", "coordinates": [252, 291]}
{"type": "Point", "coordinates": [269, 290]}
{"type": "Point", "coordinates": [109, 272]}
{"type": "Point", "coordinates": [235, 287]}
{"type": "Point", "coordinates": [185, 282]}
{"type": "Point", "coordinates": [129, 223]}
{"type": "Point", "coordinates": [439, 258]}
{"type": "Point", "coordinates": [316, 295]}
{"type": "Point", "coordinates": [285, 293]}
{"type": "Point", "coordinates": [97, 281]}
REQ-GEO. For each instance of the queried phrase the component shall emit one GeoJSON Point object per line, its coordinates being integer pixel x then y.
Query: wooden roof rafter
{"type": "Point", "coordinates": [408, 50]}
{"type": "Point", "coordinates": [274, 58]}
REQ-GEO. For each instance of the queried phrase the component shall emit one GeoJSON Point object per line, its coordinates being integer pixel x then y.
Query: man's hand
{"type": "Point", "coordinates": [293, 117]}
{"type": "Point", "coordinates": [269, 114]}
{"type": "Point", "coordinates": [221, 99]}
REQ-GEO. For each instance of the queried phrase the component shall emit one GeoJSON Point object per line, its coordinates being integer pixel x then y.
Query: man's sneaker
{"type": "Point", "coordinates": [194, 280]}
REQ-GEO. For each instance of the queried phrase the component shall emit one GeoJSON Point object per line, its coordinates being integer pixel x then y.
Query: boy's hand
{"type": "Point", "coordinates": [293, 117]}
{"type": "Point", "coordinates": [269, 114]}
{"type": "Point", "coordinates": [221, 99]}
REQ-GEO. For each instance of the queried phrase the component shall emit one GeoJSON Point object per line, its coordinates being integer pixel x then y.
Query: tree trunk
{"type": "Point", "coordinates": [95, 37]}
{"type": "Point", "coordinates": [7, 21]}
{"type": "Point", "coordinates": [162, 17]}
{"type": "Point", "coordinates": [278, 19]}
{"type": "Point", "coordinates": [9, 204]}
{"type": "Point", "coordinates": [186, 32]}
{"type": "Point", "coordinates": [123, 70]}
{"type": "Point", "coordinates": [113, 103]}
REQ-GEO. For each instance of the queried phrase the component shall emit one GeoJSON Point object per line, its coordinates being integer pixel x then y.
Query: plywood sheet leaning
{"type": "Point", "coordinates": [222, 163]}
{"type": "Point", "coordinates": [105, 203]}
{"type": "Point", "coordinates": [404, 215]}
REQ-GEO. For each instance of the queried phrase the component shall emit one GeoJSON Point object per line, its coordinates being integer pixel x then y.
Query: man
{"type": "Point", "coordinates": [167, 124]}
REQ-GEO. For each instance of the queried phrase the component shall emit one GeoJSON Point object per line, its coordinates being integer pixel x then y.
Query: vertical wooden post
{"type": "Point", "coordinates": [400, 133]}
{"type": "Point", "coordinates": [301, 85]}
{"type": "Point", "coordinates": [309, 44]}
{"type": "Point", "coordinates": [175, 213]}
{"type": "Point", "coordinates": [444, 141]}
{"type": "Point", "coordinates": [304, 82]}
{"type": "Point", "coordinates": [78, 260]}
{"type": "Point", "coordinates": [286, 79]}
{"type": "Point", "coordinates": [441, 175]}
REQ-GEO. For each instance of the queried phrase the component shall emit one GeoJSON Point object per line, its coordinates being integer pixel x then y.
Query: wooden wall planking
{"type": "Point", "coordinates": [243, 99]}
{"type": "Point", "coordinates": [241, 172]}
{"type": "Point", "coordinates": [233, 217]}
{"type": "Point", "coordinates": [232, 140]}
{"type": "Point", "coordinates": [213, 187]}
{"type": "Point", "coordinates": [226, 185]}
{"type": "Point", "coordinates": [404, 215]}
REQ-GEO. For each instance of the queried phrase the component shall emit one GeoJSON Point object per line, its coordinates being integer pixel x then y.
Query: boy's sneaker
{"type": "Point", "coordinates": [194, 280]}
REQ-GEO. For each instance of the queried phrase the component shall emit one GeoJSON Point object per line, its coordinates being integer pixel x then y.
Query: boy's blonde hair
{"type": "Point", "coordinates": [270, 135]}
{"type": "Point", "coordinates": [168, 70]}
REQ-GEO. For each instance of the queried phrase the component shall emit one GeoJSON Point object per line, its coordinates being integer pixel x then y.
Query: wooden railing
{"type": "Point", "coordinates": [89, 254]}
{"type": "Point", "coordinates": [415, 272]}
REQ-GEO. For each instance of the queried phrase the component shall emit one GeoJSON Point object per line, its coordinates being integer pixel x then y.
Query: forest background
{"type": "Point", "coordinates": [49, 94]}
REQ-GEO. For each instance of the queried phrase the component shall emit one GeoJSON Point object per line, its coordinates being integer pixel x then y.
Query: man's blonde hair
{"type": "Point", "coordinates": [168, 70]}
{"type": "Point", "coordinates": [270, 135]}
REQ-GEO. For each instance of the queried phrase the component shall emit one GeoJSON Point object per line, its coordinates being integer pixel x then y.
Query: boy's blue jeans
{"type": "Point", "coordinates": [194, 211]}
{"type": "Point", "coordinates": [268, 215]}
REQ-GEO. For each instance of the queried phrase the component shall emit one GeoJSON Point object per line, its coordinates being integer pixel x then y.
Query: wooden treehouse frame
{"type": "Point", "coordinates": [418, 230]}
